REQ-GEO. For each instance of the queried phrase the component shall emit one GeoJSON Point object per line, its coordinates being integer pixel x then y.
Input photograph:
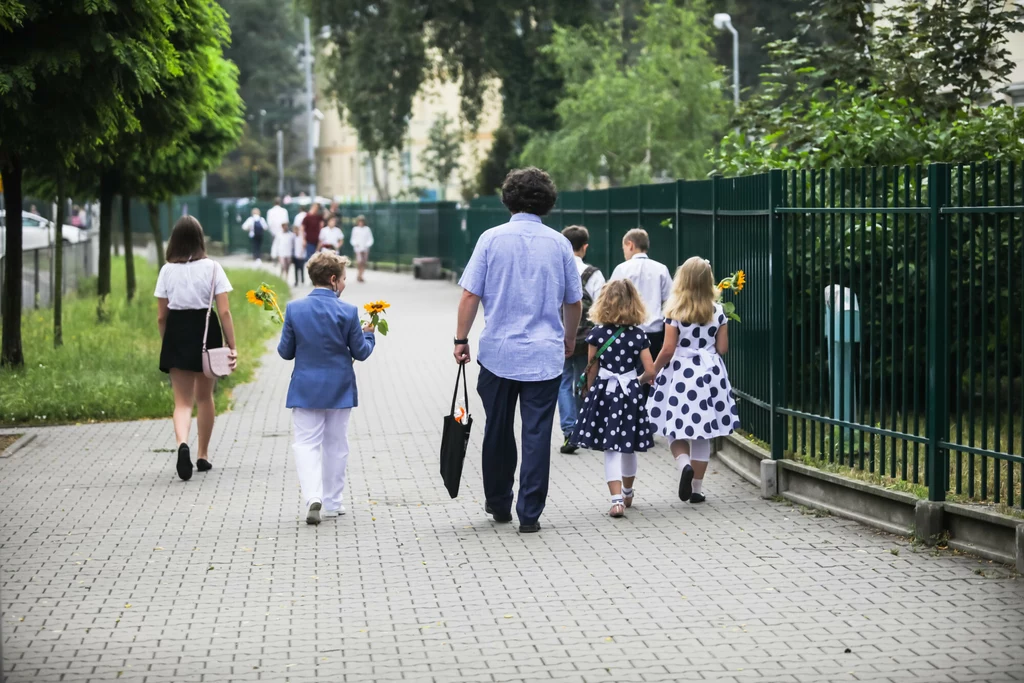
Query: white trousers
{"type": "Point", "coordinates": [321, 453]}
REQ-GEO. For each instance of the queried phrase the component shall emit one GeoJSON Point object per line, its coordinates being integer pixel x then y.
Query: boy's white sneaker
{"type": "Point", "coordinates": [313, 511]}
{"type": "Point", "coordinates": [335, 513]}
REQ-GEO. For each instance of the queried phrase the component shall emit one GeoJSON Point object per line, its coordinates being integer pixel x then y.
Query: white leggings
{"type": "Point", "coordinates": [618, 465]}
{"type": "Point", "coordinates": [700, 450]}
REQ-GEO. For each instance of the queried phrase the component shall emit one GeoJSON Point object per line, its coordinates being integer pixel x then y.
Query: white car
{"type": "Point", "coordinates": [37, 232]}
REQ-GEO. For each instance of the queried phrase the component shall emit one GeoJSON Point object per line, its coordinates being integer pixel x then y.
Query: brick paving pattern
{"type": "Point", "coordinates": [113, 569]}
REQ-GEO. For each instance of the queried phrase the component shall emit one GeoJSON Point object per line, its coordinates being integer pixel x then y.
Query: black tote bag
{"type": "Point", "coordinates": [455, 439]}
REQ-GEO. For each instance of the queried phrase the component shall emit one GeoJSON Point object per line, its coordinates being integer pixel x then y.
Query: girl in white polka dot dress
{"type": "Point", "coordinates": [692, 402]}
{"type": "Point", "coordinates": [613, 417]}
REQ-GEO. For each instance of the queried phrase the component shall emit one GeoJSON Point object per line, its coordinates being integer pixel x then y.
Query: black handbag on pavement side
{"type": "Point", "coordinates": [455, 439]}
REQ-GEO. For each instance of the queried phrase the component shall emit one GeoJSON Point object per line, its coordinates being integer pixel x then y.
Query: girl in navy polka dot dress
{"type": "Point", "coordinates": [613, 417]}
{"type": "Point", "coordinates": [692, 401]}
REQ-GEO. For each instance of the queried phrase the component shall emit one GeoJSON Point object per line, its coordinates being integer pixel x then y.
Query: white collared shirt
{"type": "Point", "coordinates": [654, 283]}
{"type": "Point", "coordinates": [333, 237]}
{"type": "Point", "coordinates": [596, 281]}
{"type": "Point", "coordinates": [277, 216]}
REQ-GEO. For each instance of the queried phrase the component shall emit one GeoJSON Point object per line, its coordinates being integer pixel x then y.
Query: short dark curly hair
{"type": "Point", "coordinates": [529, 190]}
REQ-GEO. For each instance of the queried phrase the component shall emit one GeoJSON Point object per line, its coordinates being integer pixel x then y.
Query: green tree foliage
{"type": "Point", "coordinates": [265, 40]}
{"type": "Point", "coordinates": [914, 84]}
{"type": "Point", "coordinates": [381, 53]}
{"type": "Point", "coordinates": [634, 110]}
{"type": "Point", "coordinates": [72, 74]}
{"type": "Point", "coordinates": [441, 155]}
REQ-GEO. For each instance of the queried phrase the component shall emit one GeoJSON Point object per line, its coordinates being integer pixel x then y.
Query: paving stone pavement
{"type": "Point", "coordinates": [112, 568]}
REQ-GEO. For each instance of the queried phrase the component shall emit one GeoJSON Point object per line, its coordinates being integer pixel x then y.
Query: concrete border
{"type": "Point", "coordinates": [970, 528]}
{"type": "Point", "coordinates": [18, 445]}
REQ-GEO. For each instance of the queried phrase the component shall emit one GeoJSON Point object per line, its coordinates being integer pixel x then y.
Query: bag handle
{"type": "Point", "coordinates": [209, 309]}
{"type": "Point", "coordinates": [465, 390]}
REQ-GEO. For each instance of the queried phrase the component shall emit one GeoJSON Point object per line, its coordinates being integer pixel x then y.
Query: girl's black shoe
{"type": "Point", "coordinates": [184, 462]}
{"type": "Point", "coordinates": [203, 465]}
{"type": "Point", "coordinates": [697, 498]}
{"type": "Point", "coordinates": [686, 484]}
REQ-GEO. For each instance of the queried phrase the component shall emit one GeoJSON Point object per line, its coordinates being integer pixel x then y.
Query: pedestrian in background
{"type": "Point", "coordinates": [187, 284]}
{"type": "Point", "coordinates": [569, 402]}
{"type": "Point", "coordinates": [652, 280]}
{"type": "Point", "coordinates": [255, 226]}
{"type": "Point", "coordinates": [299, 255]}
{"type": "Point", "coordinates": [280, 228]}
{"type": "Point", "coordinates": [331, 236]}
{"type": "Point", "coordinates": [362, 240]}
{"type": "Point", "coordinates": [312, 224]}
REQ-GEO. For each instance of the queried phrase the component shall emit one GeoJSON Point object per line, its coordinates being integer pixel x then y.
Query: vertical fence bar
{"type": "Point", "coordinates": [997, 465]}
{"type": "Point", "coordinates": [937, 425]}
{"type": "Point", "coordinates": [959, 345]}
{"type": "Point", "coordinates": [984, 329]}
{"type": "Point", "coordinates": [777, 324]}
{"type": "Point", "coordinates": [971, 333]}
{"type": "Point", "coordinates": [35, 278]}
{"type": "Point", "coordinates": [714, 217]}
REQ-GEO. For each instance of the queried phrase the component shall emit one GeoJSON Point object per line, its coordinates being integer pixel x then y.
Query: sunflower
{"type": "Point", "coordinates": [741, 279]}
{"type": "Point", "coordinates": [252, 298]}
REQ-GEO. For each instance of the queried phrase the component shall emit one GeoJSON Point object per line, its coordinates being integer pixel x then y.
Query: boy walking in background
{"type": "Point", "coordinates": [593, 281]}
{"type": "Point", "coordinates": [654, 283]}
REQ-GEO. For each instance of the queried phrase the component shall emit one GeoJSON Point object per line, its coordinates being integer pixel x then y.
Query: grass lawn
{"type": "Point", "coordinates": [110, 371]}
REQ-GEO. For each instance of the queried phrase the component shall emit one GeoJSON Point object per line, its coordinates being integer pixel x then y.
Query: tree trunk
{"type": "Point", "coordinates": [107, 187]}
{"type": "Point", "coordinates": [10, 352]}
{"type": "Point", "coordinates": [154, 226]}
{"type": "Point", "coordinates": [58, 263]}
{"type": "Point", "coordinates": [129, 254]}
{"type": "Point", "coordinates": [380, 184]}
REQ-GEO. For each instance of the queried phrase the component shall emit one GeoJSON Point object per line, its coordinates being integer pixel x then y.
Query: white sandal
{"type": "Point", "coordinates": [622, 510]}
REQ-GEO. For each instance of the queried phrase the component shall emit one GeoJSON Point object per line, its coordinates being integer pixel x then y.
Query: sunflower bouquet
{"type": "Point", "coordinates": [376, 310]}
{"type": "Point", "coordinates": [266, 298]}
{"type": "Point", "coordinates": [735, 283]}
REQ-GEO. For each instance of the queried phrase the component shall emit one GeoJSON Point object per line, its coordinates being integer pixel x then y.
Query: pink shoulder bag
{"type": "Point", "coordinates": [216, 362]}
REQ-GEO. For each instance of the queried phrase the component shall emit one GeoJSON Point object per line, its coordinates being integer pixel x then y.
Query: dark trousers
{"type": "Point", "coordinates": [257, 245]}
{"type": "Point", "coordinates": [537, 402]}
{"type": "Point", "coordinates": [657, 340]}
{"type": "Point", "coordinates": [300, 269]}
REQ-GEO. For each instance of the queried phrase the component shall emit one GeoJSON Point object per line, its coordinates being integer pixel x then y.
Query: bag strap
{"type": "Point", "coordinates": [465, 390]}
{"type": "Point", "coordinates": [604, 347]}
{"type": "Point", "coordinates": [587, 273]}
{"type": "Point", "coordinates": [209, 309]}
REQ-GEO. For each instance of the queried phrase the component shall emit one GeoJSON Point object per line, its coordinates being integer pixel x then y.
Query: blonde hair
{"type": "Point", "coordinates": [618, 304]}
{"type": "Point", "coordinates": [693, 293]}
{"type": "Point", "coordinates": [323, 265]}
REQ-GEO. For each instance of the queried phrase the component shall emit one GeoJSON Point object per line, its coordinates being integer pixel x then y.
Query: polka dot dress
{"type": "Point", "coordinates": [611, 418]}
{"type": "Point", "coordinates": [692, 397]}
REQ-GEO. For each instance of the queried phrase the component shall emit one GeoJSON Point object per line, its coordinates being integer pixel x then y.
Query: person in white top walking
{"type": "Point", "coordinates": [362, 240]}
{"type": "Point", "coordinates": [652, 280]}
{"type": "Point", "coordinates": [569, 402]}
{"type": "Point", "coordinates": [255, 226]}
{"type": "Point", "coordinates": [281, 248]}
{"type": "Point", "coordinates": [331, 236]}
{"type": "Point", "coordinates": [183, 292]}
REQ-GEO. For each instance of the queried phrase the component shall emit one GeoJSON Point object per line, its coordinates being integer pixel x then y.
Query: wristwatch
{"type": "Point", "coordinates": [461, 341]}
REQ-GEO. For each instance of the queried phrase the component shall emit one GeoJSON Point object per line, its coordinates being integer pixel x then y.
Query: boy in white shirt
{"type": "Point", "coordinates": [652, 280]}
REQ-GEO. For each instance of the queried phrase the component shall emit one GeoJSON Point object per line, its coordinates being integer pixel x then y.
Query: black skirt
{"type": "Point", "coordinates": [182, 348]}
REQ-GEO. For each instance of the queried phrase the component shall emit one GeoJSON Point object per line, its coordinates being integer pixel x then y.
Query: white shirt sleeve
{"type": "Point", "coordinates": [161, 284]}
{"type": "Point", "coordinates": [222, 284]}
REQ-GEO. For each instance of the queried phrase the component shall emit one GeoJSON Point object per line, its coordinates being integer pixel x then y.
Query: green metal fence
{"type": "Point", "coordinates": [922, 383]}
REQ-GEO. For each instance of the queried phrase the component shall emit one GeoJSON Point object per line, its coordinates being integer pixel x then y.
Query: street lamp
{"type": "Point", "coordinates": [724, 22]}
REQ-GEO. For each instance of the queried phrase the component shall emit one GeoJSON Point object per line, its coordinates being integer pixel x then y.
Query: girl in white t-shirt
{"type": "Point", "coordinates": [331, 236]}
{"type": "Point", "coordinates": [183, 291]}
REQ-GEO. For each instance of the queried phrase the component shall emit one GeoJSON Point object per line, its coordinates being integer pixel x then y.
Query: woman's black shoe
{"type": "Point", "coordinates": [203, 465]}
{"type": "Point", "coordinates": [184, 462]}
{"type": "Point", "coordinates": [686, 484]}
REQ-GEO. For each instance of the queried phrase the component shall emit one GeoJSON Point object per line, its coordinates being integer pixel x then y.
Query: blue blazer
{"type": "Point", "coordinates": [323, 335]}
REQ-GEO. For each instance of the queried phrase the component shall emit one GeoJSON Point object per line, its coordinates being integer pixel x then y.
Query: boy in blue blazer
{"type": "Point", "coordinates": [322, 334]}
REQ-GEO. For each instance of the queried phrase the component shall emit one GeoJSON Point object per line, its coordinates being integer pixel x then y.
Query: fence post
{"type": "Point", "coordinates": [678, 228]}
{"type": "Point", "coordinates": [608, 233]}
{"type": "Point", "coordinates": [714, 217]}
{"type": "Point", "coordinates": [937, 421]}
{"type": "Point", "coordinates": [35, 258]}
{"type": "Point", "coordinates": [777, 317]}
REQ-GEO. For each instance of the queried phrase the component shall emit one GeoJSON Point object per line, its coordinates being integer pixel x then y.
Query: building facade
{"type": "Point", "coordinates": [344, 171]}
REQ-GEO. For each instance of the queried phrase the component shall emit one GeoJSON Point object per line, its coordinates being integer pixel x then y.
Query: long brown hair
{"type": "Point", "coordinates": [187, 243]}
{"type": "Point", "coordinates": [693, 293]}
